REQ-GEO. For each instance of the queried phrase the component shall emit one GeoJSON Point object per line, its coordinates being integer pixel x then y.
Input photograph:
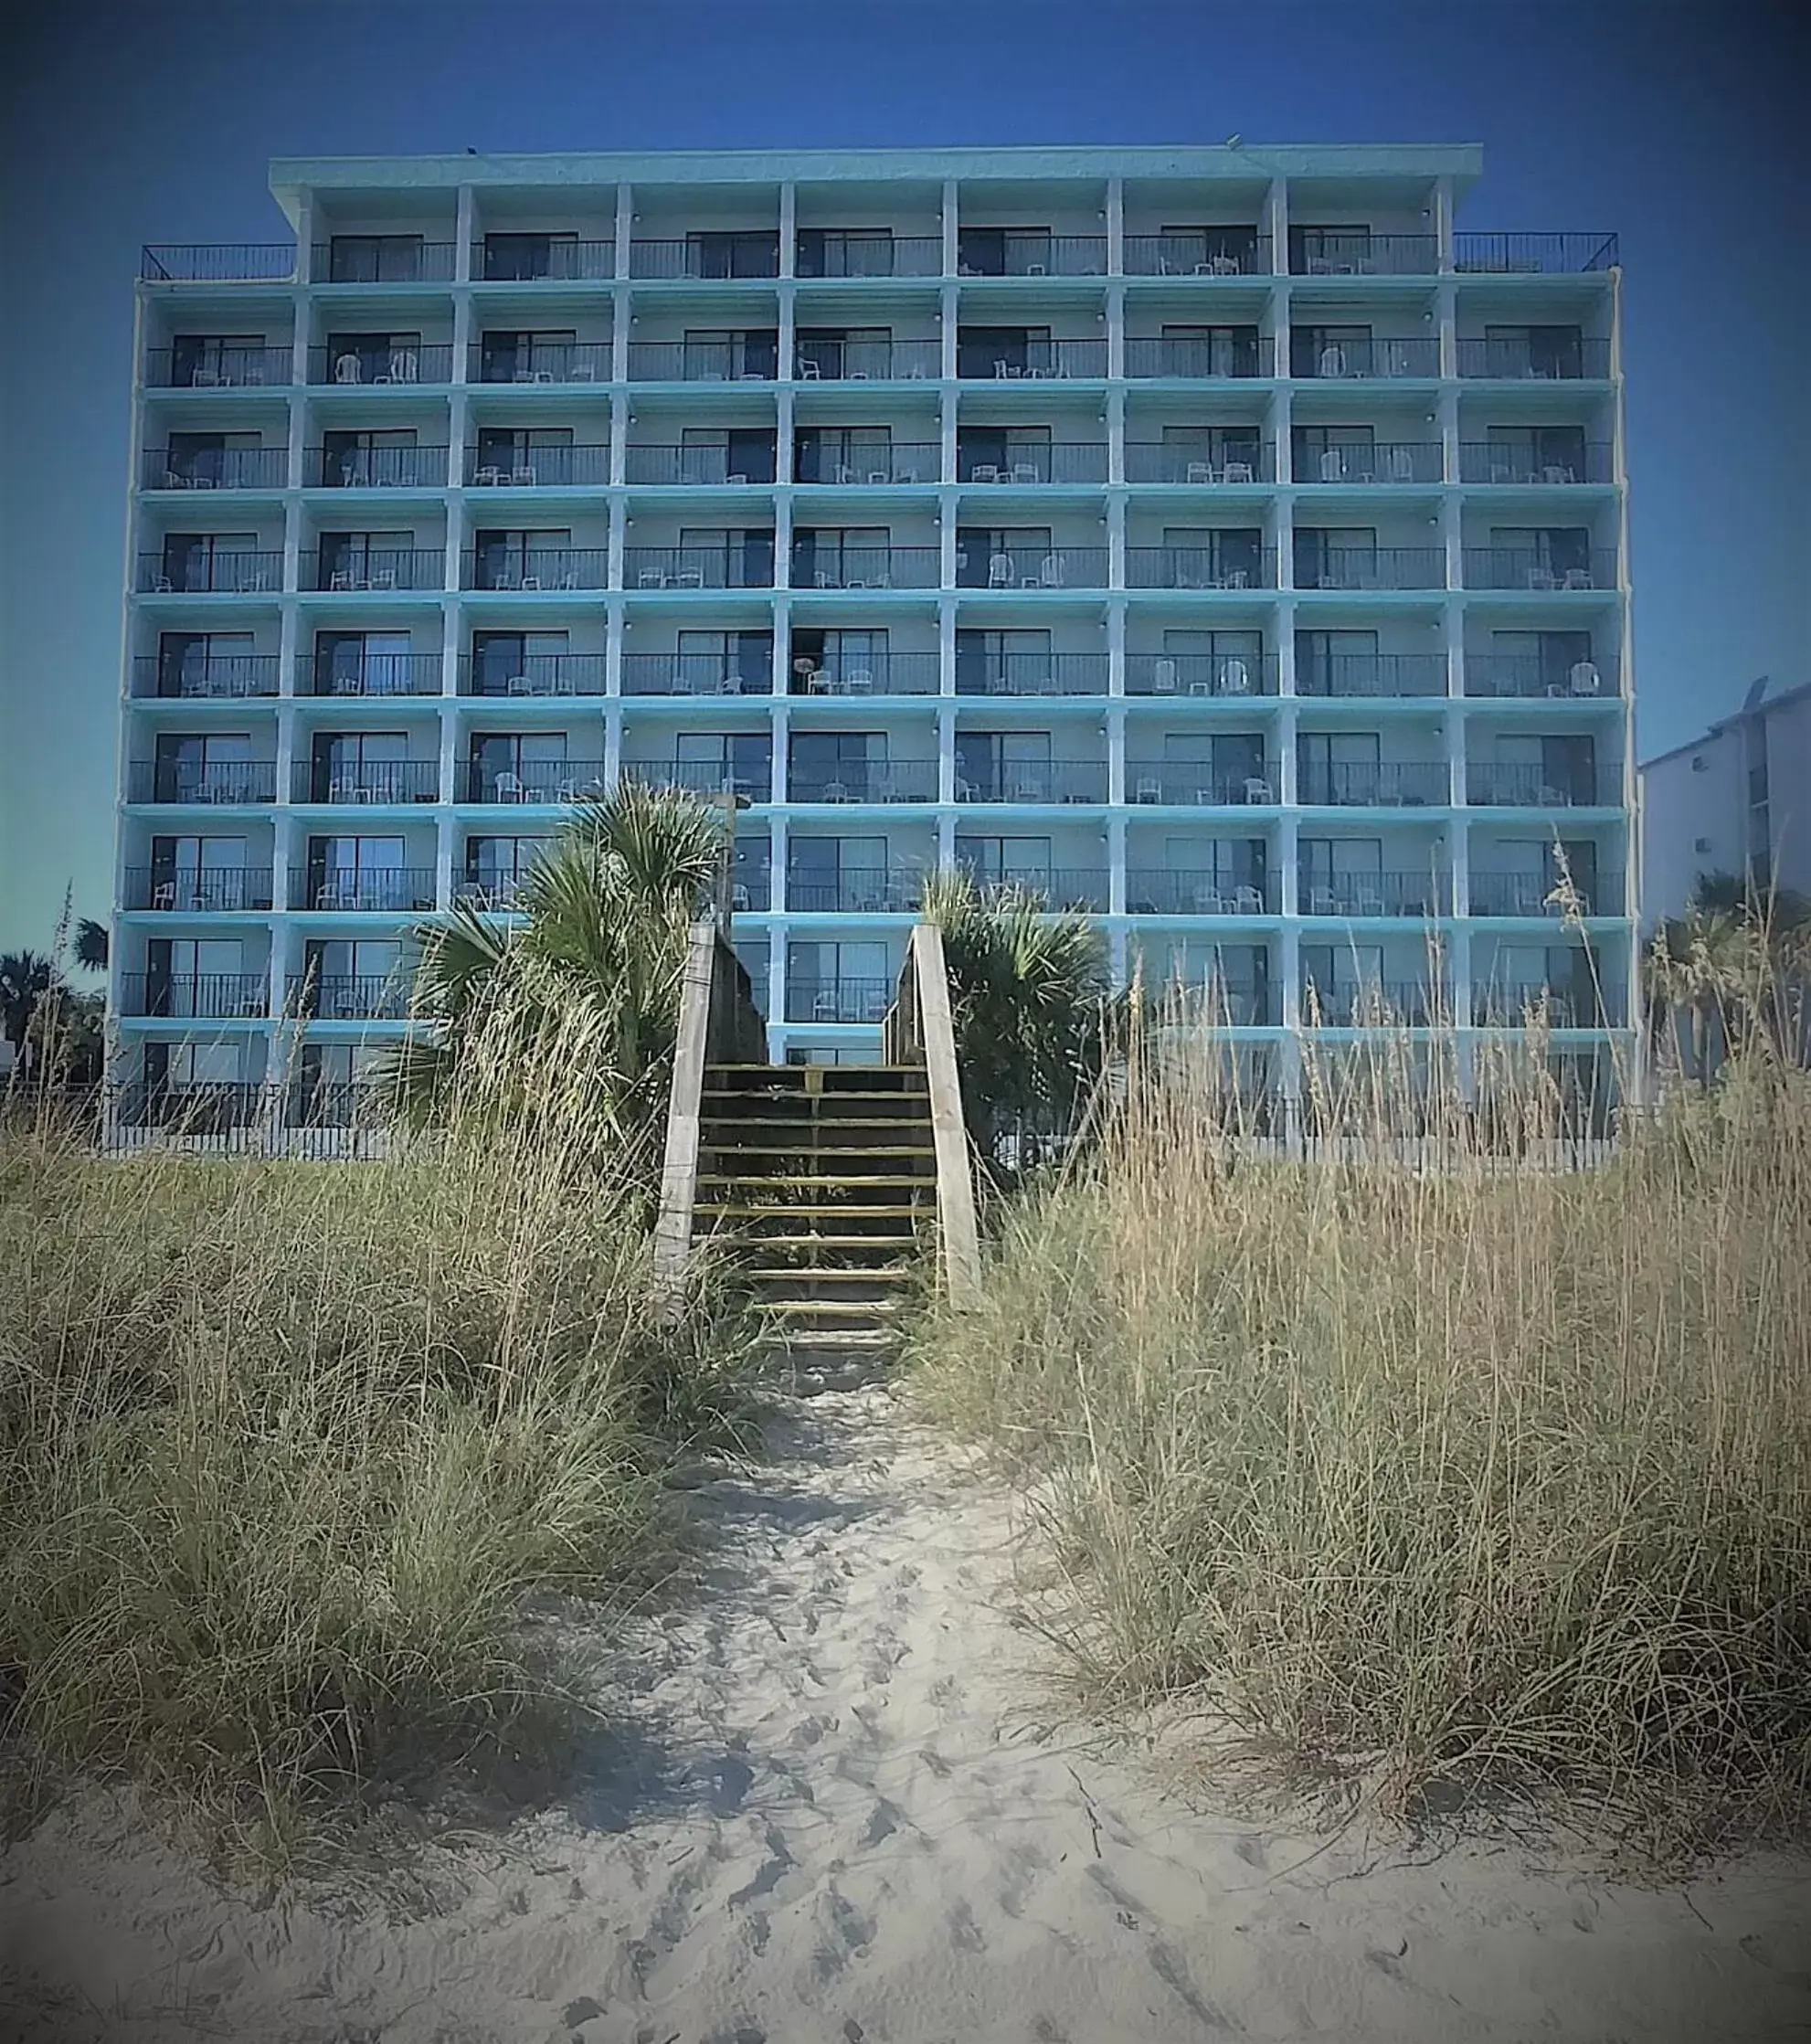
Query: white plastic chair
{"type": "Point", "coordinates": [1235, 678]}
{"type": "Point", "coordinates": [1163, 675]}
{"type": "Point", "coordinates": [348, 370]}
{"type": "Point", "coordinates": [1332, 362]}
{"type": "Point", "coordinates": [1257, 789]}
{"type": "Point", "coordinates": [508, 787]}
{"type": "Point", "coordinates": [1247, 901]}
{"type": "Point", "coordinates": [1000, 571]}
{"type": "Point", "coordinates": [1147, 789]}
{"type": "Point", "coordinates": [1237, 472]}
{"type": "Point", "coordinates": [1583, 679]}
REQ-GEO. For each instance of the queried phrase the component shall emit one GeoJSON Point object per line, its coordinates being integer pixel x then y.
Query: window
{"type": "Point", "coordinates": [1534, 351]}
{"type": "Point", "coordinates": [210, 663]}
{"type": "Point", "coordinates": [734, 454]}
{"type": "Point", "coordinates": [1329, 250]}
{"type": "Point", "coordinates": [1336, 557]}
{"type": "Point", "coordinates": [1018, 453]}
{"type": "Point", "coordinates": [364, 663]}
{"type": "Point", "coordinates": [708, 761]}
{"type": "Point", "coordinates": [996, 351]}
{"type": "Point", "coordinates": [367, 560]}
{"type": "Point", "coordinates": [838, 766]}
{"type": "Point", "coordinates": [998, 556]}
{"type": "Point", "coordinates": [510, 559]}
{"type": "Point", "coordinates": [1338, 766]}
{"type": "Point", "coordinates": [1002, 251]}
{"type": "Point", "coordinates": [1329, 351]}
{"type": "Point", "coordinates": [217, 561]}
{"type": "Point", "coordinates": [733, 559]}
{"type": "Point", "coordinates": [853, 556]}
{"type": "Point", "coordinates": [1209, 351]}
{"type": "Point", "coordinates": [1535, 453]}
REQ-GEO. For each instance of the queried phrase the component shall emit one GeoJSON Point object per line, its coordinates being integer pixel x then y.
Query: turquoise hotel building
{"type": "Point", "coordinates": [1223, 541]}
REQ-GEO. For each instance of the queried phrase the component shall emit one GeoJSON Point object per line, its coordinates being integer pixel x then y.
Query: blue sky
{"type": "Point", "coordinates": [1678, 123]}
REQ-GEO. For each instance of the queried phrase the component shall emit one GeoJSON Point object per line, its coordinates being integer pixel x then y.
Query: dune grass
{"type": "Point", "coordinates": [1428, 1482]}
{"type": "Point", "coordinates": [290, 1453]}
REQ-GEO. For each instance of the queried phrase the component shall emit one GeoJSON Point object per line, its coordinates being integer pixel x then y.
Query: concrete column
{"type": "Point", "coordinates": [948, 320]}
{"type": "Point", "coordinates": [1116, 866]}
{"type": "Point", "coordinates": [1285, 649]}
{"type": "Point", "coordinates": [1116, 225]}
{"type": "Point", "coordinates": [464, 233]}
{"type": "Point", "coordinates": [1115, 538]}
{"type": "Point", "coordinates": [1116, 756]}
{"type": "Point", "coordinates": [613, 629]}
{"type": "Point", "coordinates": [788, 229]}
{"type": "Point", "coordinates": [789, 330]}
{"type": "Point", "coordinates": [625, 227]}
{"type": "Point", "coordinates": [950, 223]}
{"type": "Point", "coordinates": [1443, 221]}
{"type": "Point", "coordinates": [1116, 332]}
{"type": "Point", "coordinates": [1116, 646]}
{"type": "Point", "coordinates": [1288, 866]}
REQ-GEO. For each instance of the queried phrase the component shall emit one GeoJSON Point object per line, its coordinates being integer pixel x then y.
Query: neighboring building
{"type": "Point", "coordinates": [1735, 801]}
{"type": "Point", "coordinates": [1217, 539]}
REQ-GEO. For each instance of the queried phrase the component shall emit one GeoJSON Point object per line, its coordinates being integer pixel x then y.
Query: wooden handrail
{"type": "Point", "coordinates": [920, 1028]}
{"type": "Point", "coordinates": [679, 1167]}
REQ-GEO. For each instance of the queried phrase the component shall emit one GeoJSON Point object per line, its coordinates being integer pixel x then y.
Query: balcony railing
{"type": "Point", "coordinates": [376, 468]}
{"type": "Point", "coordinates": [545, 781]}
{"type": "Point", "coordinates": [1349, 361]}
{"type": "Point", "coordinates": [208, 677]}
{"type": "Point", "coordinates": [838, 1000]}
{"type": "Point", "coordinates": [349, 997]}
{"type": "Point", "coordinates": [1058, 462]}
{"type": "Point", "coordinates": [1238, 461]}
{"type": "Point", "coordinates": [859, 891]}
{"type": "Point", "coordinates": [1525, 567]}
{"type": "Point", "coordinates": [882, 674]}
{"type": "Point", "coordinates": [1166, 891]}
{"type": "Point", "coordinates": [1525, 465]}
{"type": "Point", "coordinates": [890, 781]}
{"type": "Point", "coordinates": [539, 567]}
{"type": "Point", "coordinates": [370, 780]}
{"type": "Point", "coordinates": [1036, 255]}
{"type": "Point", "coordinates": [690, 467]}
{"type": "Point", "coordinates": [335, 672]}
{"type": "Point", "coordinates": [1152, 355]}
{"type": "Point", "coordinates": [1197, 567]}
{"type": "Point", "coordinates": [1370, 568]}
{"type": "Point", "coordinates": [226, 468]}
{"type": "Point", "coordinates": [393, 260]}
{"type": "Point", "coordinates": [1374, 1004]}
{"type": "Point", "coordinates": [1528, 896]}
{"type": "Point", "coordinates": [1325, 253]}
{"type": "Point", "coordinates": [702, 777]}
{"type": "Point", "coordinates": [1409, 892]}
{"type": "Point", "coordinates": [1036, 361]}
{"type": "Point", "coordinates": [229, 781]}
{"type": "Point", "coordinates": [230, 262]}
{"type": "Point", "coordinates": [326, 1121]}
{"type": "Point", "coordinates": [903, 462]}
{"type": "Point", "coordinates": [1376, 674]}
{"type": "Point", "coordinates": [1199, 674]}
{"type": "Point", "coordinates": [1493, 784]}
{"type": "Point", "coordinates": [676, 673]}
{"type": "Point", "coordinates": [1059, 888]}
{"type": "Point", "coordinates": [246, 368]}
{"type": "Point", "coordinates": [1519, 361]}
{"type": "Point", "coordinates": [547, 362]}
{"type": "Point", "coordinates": [1533, 254]}
{"type": "Point", "coordinates": [539, 260]}
{"type": "Point", "coordinates": [1529, 675]}
{"type": "Point", "coordinates": [870, 255]}
{"type": "Point", "coordinates": [869, 362]}
{"type": "Point", "coordinates": [1036, 781]}
{"type": "Point", "coordinates": [1375, 784]}
{"type": "Point", "coordinates": [690, 258]}
{"type": "Point", "coordinates": [700, 362]}
{"type": "Point", "coordinates": [496, 894]}
{"type": "Point", "coordinates": [1217, 252]}
{"type": "Point", "coordinates": [1032, 567]}
{"type": "Point", "coordinates": [1033, 674]}
{"type": "Point", "coordinates": [376, 568]}
{"type": "Point", "coordinates": [206, 891]}
{"type": "Point", "coordinates": [1515, 1005]}
{"type": "Point", "coordinates": [867, 567]}
{"type": "Point", "coordinates": [529, 674]}
{"type": "Point", "coordinates": [696, 568]}
{"type": "Point", "coordinates": [1384, 462]}
{"type": "Point", "coordinates": [218, 574]}
{"type": "Point", "coordinates": [383, 890]}
{"type": "Point", "coordinates": [200, 996]}
{"type": "Point", "coordinates": [429, 362]}
{"type": "Point", "coordinates": [1197, 784]}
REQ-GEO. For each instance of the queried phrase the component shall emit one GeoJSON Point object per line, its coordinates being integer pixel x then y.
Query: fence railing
{"type": "Point", "coordinates": [1154, 355]}
{"type": "Point", "coordinates": [1527, 463]}
{"type": "Point", "coordinates": [1233, 462]}
{"type": "Point", "coordinates": [195, 996]}
{"type": "Point", "coordinates": [1322, 252]}
{"type": "Point", "coordinates": [698, 567]}
{"type": "Point", "coordinates": [702, 777]}
{"type": "Point", "coordinates": [245, 368]}
{"type": "Point", "coordinates": [1036, 361]}
{"type": "Point", "coordinates": [1369, 568]}
{"type": "Point", "coordinates": [376, 569]}
{"type": "Point", "coordinates": [1033, 781]}
{"type": "Point", "coordinates": [1527, 896]}
{"type": "Point", "coordinates": [907, 360]}
{"type": "Point", "coordinates": [702, 361]}
{"type": "Point", "coordinates": [1199, 674]}
{"type": "Point", "coordinates": [1374, 674]}
{"type": "Point", "coordinates": [1374, 783]}
{"type": "Point", "coordinates": [698, 258]}
{"type": "Point", "coordinates": [370, 780]}
{"type": "Point", "coordinates": [1543, 254]}
{"type": "Point", "coordinates": [1528, 674]}
{"type": "Point", "coordinates": [206, 891]}
{"type": "Point", "coordinates": [349, 997]}
{"type": "Point", "coordinates": [1200, 567]}
{"type": "Point", "coordinates": [383, 890]}
{"type": "Point", "coordinates": [815, 566]}
{"type": "Point", "coordinates": [1033, 674]}
{"type": "Point", "coordinates": [227, 263]}
{"type": "Point", "coordinates": [513, 258]}
{"type": "Point", "coordinates": [693, 467]}
{"type": "Point", "coordinates": [382, 260]}
{"type": "Point", "coordinates": [901, 462]}
{"type": "Point", "coordinates": [548, 782]}
{"type": "Point", "coordinates": [1374, 1004]}
{"type": "Point", "coordinates": [538, 568]}
{"type": "Point", "coordinates": [1167, 891]}
{"type": "Point", "coordinates": [838, 1000]}
{"type": "Point", "coordinates": [1385, 462]}
{"type": "Point", "coordinates": [1059, 888]}
{"type": "Point", "coordinates": [532, 674]}
{"type": "Point", "coordinates": [429, 362]}
{"type": "Point", "coordinates": [859, 891]}
{"type": "Point", "coordinates": [1411, 892]}
{"type": "Point", "coordinates": [1524, 360]}
{"type": "Point", "coordinates": [375, 468]}
{"type": "Point", "coordinates": [1496, 784]}
{"type": "Point", "coordinates": [1190, 784]}
{"type": "Point", "coordinates": [1059, 461]}
{"type": "Point", "coordinates": [1347, 361]}
{"type": "Point", "coordinates": [892, 780]}
{"type": "Point", "coordinates": [1031, 567]}
{"type": "Point", "coordinates": [308, 1120]}
{"type": "Point", "coordinates": [546, 362]}
{"type": "Point", "coordinates": [1204, 253]}
{"type": "Point", "coordinates": [1525, 567]}
{"type": "Point", "coordinates": [206, 676]}
{"type": "Point", "coordinates": [226, 468]}
{"type": "Point", "coordinates": [231, 781]}
{"type": "Point", "coordinates": [881, 673]}
{"type": "Point", "coordinates": [334, 673]}
{"type": "Point", "coordinates": [835, 255]}
{"type": "Point", "coordinates": [255, 572]}
{"type": "Point", "coordinates": [1033, 255]}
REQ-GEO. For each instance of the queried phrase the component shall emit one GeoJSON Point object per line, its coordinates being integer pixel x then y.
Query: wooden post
{"type": "Point", "coordinates": [959, 1241]}
{"type": "Point", "coordinates": [679, 1170]}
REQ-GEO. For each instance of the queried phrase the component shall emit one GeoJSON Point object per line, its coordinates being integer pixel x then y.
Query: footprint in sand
{"type": "Point", "coordinates": [965, 1933]}
{"type": "Point", "coordinates": [848, 1935]}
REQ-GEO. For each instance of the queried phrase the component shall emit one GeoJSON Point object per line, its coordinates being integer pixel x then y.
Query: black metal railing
{"type": "Point", "coordinates": [1496, 784]}
{"type": "Point", "coordinates": [381, 890]}
{"type": "Point", "coordinates": [677, 674]}
{"type": "Point", "coordinates": [1325, 252]}
{"type": "Point", "coordinates": [688, 467]}
{"type": "Point", "coordinates": [497, 894]}
{"type": "Point", "coordinates": [889, 781]}
{"type": "Point", "coordinates": [1199, 567]}
{"type": "Point", "coordinates": [1371, 674]}
{"type": "Point", "coordinates": [376, 568]}
{"type": "Point", "coordinates": [1530, 895]}
{"type": "Point", "coordinates": [1374, 1004]}
{"type": "Point", "coordinates": [206, 890]}
{"type": "Point", "coordinates": [1347, 361]}
{"type": "Point", "coordinates": [1210, 359]}
{"type": "Point", "coordinates": [1210, 252]}
{"type": "Point", "coordinates": [1198, 784]}
{"type": "Point", "coordinates": [1058, 462]}
{"type": "Point", "coordinates": [538, 568]}
{"type": "Point", "coordinates": [838, 1000]}
{"type": "Point", "coordinates": [697, 567]}
{"type": "Point", "coordinates": [429, 362]}
{"type": "Point", "coordinates": [367, 781]}
{"type": "Point", "coordinates": [1510, 254]}
{"type": "Point", "coordinates": [1410, 892]}
{"type": "Point", "coordinates": [1374, 783]}
{"type": "Point", "coordinates": [1032, 567]}
{"type": "Point", "coordinates": [1031, 255]}
{"type": "Point", "coordinates": [1370, 568]}
{"type": "Point", "coordinates": [538, 468]}
{"type": "Point", "coordinates": [382, 260]}
{"type": "Point", "coordinates": [702, 361]}
{"type": "Point", "coordinates": [1033, 674]}
{"type": "Point", "coordinates": [206, 677]}
{"type": "Point", "coordinates": [349, 997]}
{"type": "Point", "coordinates": [233, 781]}
{"type": "Point", "coordinates": [242, 368]}
{"type": "Point", "coordinates": [908, 360]}
{"type": "Point", "coordinates": [874, 674]}
{"type": "Point", "coordinates": [1526, 463]}
{"type": "Point", "coordinates": [547, 362]}
{"type": "Point", "coordinates": [699, 257]}
{"type": "Point", "coordinates": [252, 573]}
{"type": "Point", "coordinates": [1034, 781]}
{"type": "Point", "coordinates": [1233, 462]}
{"type": "Point", "coordinates": [867, 568]}
{"type": "Point", "coordinates": [1169, 890]}
{"type": "Point", "coordinates": [531, 674]}
{"type": "Point", "coordinates": [200, 996]}
{"type": "Point", "coordinates": [1036, 361]}
{"type": "Point", "coordinates": [226, 468]}
{"type": "Point", "coordinates": [1060, 889]}
{"type": "Point", "coordinates": [548, 782]}
{"type": "Point", "coordinates": [1200, 674]}
{"type": "Point", "coordinates": [859, 891]}
{"type": "Point", "coordinates": [1503, 1004]}
{"type": "Point", "coordinates": [537, 259]}
{"type": "Point", "coordinates": [225, 262]}
{"type": "Point", "coordinates": [1384, 462]}
{"type": "Point", "coordinates": [338, 672]}
{"type": "Point", "coordinates": [904, 462]}
{"type": "Point", "coordinates": [703, 776]}
{"type": "Point", "coordinates": [839, 255]}
{"type": "Point", "coordinates": [1529, 675]}
{"type": "Point", "coordinates": [1527, 568]}
{"type": "Point", "coordinates": [376, 468]}
{"type": "Point", "coordinates": [1522, 360]}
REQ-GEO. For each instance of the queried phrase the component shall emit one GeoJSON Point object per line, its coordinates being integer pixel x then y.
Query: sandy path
{"type": "Point", "coordinates": [833, 1818]}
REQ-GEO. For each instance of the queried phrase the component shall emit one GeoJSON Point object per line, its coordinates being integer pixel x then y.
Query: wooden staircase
{"type": "Point", "coordinates": [823, 1178]}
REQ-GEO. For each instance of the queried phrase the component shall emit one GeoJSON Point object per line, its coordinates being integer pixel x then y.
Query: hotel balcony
{"type": "Point", "coordinates": [1172, 891]}
{"type": "Point", "coordinates": [363, 569]}
{"type": "Point", "coordinates": [536, 567]}
{"type": "Point", "coordinates": [224, 262]}
{"type": "Point", "coordinates": [1055, 462]}
{"type": "Point", "coordinates": [382, 258]}
{"type": "Point", "coordinates": [1002, 253]}
{"type": "Point", "coordinates": [838, 1000]}
{"type": "Point", "coordinates": [1529, 896]}
{"type": "Point", "coordinates": [694, 467]}
{"type": "Point", "coordinates": [1521, 361]}
{"type": "Point", "coordinates": [1031, 674]}
{"type": "Point", "coordinates": [1196, 784]}
{"type": "Point", "coordinates": [1374, 1004]}
{"type": "Point", "coordinates": [857, 891]}
{"type": "Point", "coordinates": [1061, 889]}
{"type": "Point", "coordinates": [727, 567]}
{"type": "Point", "coordinates": [1491, 784]}
{"type": "Point", "coordinates": [1334, 252]}
{"type": "Point", "coordinates": [429, 362]}
{"type": "Point", "coordinates": [1374, 784]}
{"type": "Point", "coordinates": [1036, 782]}
{"type": "Point", "coordinates": [1238, 461]}
{"type": "Point", "coordinates": [1417, 894]}
{"type": "Point", "coordinates": [902, 461]}
{"type": "Point", "coordinates": [1371, 674]}
{"type": "Point", "coordinates": [1524, 567]}
{"type": "Point", "coordinates": [1033, 569]}
{"type": "Point", "coordinates": [1382, 462]}
{"type": "Point", "coordinates": [547, 782]}
{"type": "Point", "coordinates": [217, 467]}
{"type": "Point", "coordinates": [381, 890]}
{"type": "Point", "coordinates": [375, 468]}
{"type": "Point", "coordinates": [383, 781]}
{"type": "Point", "coordinates": [870, 674]}
{"type": "Point", "coordinates": [1199, 674]}
{"type": "Point", "coordinates": [347, 668]}
{"type": "Point", "coordinates": [1511, 254]}
{"type": "Point", "coordinates": [1408, 356]}
{"type": "Point", "coordinates": [1031, 360]}
{"type": "Point", "coordinates": [887, 361]}
{"type": "Point", "coordinates": [1368, 568]}
{"type": "Point", "coordinates": [195, 996]}
{"type": "Point", "coordinates": [748, 359]}
{"type": "Point", "coordinates": [504, 258]}
{"type": "Point", "coordinates": [718, 256]}
{"type": "Point", "coordinates": [206, 890]}
{"type": "Point", "coordinates": [1530, 463]}
{"type": "Point", "coordinates": [1154, 355]}
{"type": "Point", "coordinates": [1505, 1005]}
{"type": "Point", "coordinates": [532, 674]}
{"type": "Point", "coordinates": [1198, 252]}
{"type": "Point", "coordinates": [890, 781]}
{"type": "Point", "coordinates": [349, 997]}
{"type": "Point", "coordinates": [226, 781]}
{"type": "Point", "coordinates": [195, 674]}
{"type": "Point", "coordinates": [699, 777]}
{"type": "Point", "coordinates": [546, 362]}
{"type": "Point", "coordinates": [816, 567]}
{"type": "Point", "coordinates": [494, 893]}
{"type": "Point", "coordinates": [254, 572]}
{"type": "Point", "coordinates": [833, 253]}
{"type": "Point", "coordinates": [1200, 567]}
{"type": "Point", "coordinates": [259, 365]}
{"type": "Point", "coordinates": [1527, 675]}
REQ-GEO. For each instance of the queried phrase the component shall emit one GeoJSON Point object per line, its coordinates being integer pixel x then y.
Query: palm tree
{"type": "Point", "coordinates": [26, 976]}
{"type": "Point", "coordinates": [578, 1003]}
{"type": "Point", "coordinates": [91, 944]}
{"type": "Point", "coordinates": [1736, 963]}
{"type": "Point", "coordinates": [1029, 992]}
